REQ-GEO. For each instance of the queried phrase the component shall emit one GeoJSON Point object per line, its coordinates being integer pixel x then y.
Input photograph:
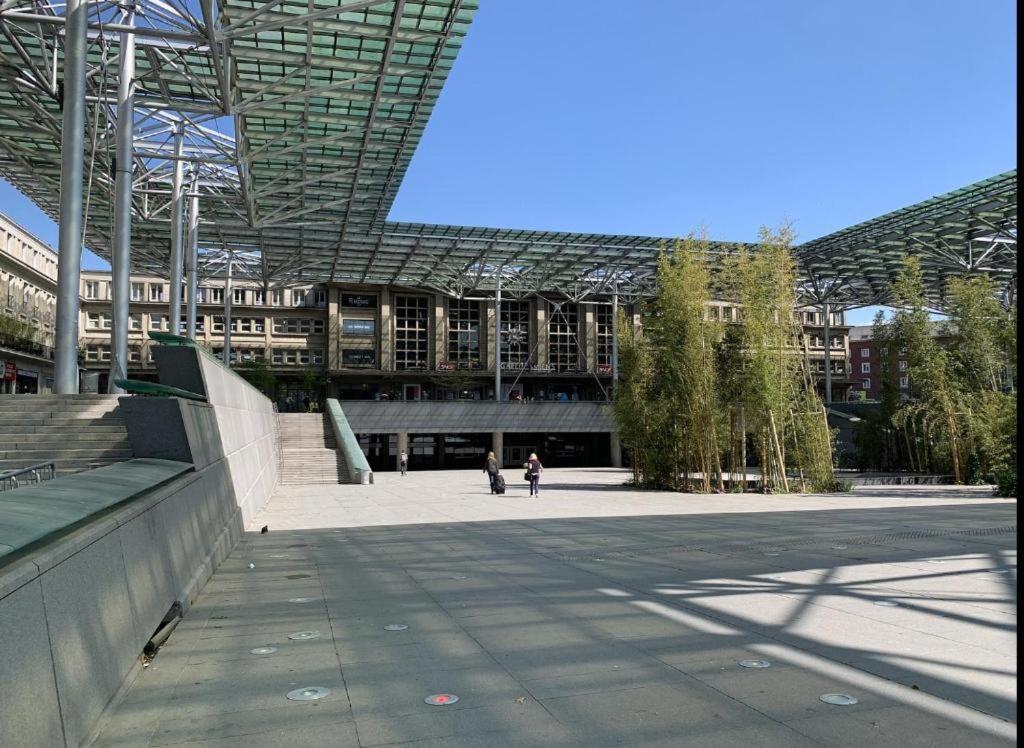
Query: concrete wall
{"type": "Point", "coordinates": [468, 416]}
{"type": "Point", "coordinates": [75, 615]}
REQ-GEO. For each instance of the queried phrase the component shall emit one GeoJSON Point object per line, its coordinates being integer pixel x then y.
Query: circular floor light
{"type": "Point", "coordinates": [301, 599]}
{"type": "Point", "coordinates": [838, 699]}
{"type": "Point", "coordinates": [441, 699]}
{"type": "Point", "coordinates": [887, 603]}
{"type": "Point", "coordinates": [757, 664]}
{"type": "Point", "coordinates": [309, 693]}
{"type": "Point", "coordinates": [263, 650]}
{"type": "Point", "coordinates": [303, 635]}
{"type": "Point", "coordinates": [395, 627]}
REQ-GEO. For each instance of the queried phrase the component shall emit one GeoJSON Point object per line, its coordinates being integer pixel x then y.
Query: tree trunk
{"type": "Point", "coordinates": [778, 451]}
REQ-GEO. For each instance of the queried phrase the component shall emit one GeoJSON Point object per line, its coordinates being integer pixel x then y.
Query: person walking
{"type": "Point", "coordinates": [534, 468]}
{"type": "Point", "coordinates": [403, 462]}
{"type": "Point", "coordinates": [491, 468]}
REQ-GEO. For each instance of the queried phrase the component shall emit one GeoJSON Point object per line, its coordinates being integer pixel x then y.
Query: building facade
{"type": "Point", "coordinates": [28, 298]}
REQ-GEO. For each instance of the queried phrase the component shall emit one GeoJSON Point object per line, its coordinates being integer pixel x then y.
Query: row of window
{"type": "Point", "coordinates": [241, 325]}
{"type": "Point", "coordinates": [865, 367]}
{"type": "Point", "coordinates": [281, 356]}
{"type": "Point", "coordinates": [155, 292]}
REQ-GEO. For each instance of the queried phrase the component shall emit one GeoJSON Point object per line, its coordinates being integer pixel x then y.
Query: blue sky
{"type": "Point", "coordinates": [658, 117]}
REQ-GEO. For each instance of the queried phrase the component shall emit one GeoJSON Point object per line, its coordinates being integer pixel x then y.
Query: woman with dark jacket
{"type": "Point", "coordinates": [534, 468]}
{"type": "Point", "coordinates": [491, 468]}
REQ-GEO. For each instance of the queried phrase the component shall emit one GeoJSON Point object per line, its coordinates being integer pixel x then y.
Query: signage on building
{"type": "Point", "coordinates": [365, 357]}
{"type": "Point", "coordinates": [446, 366]}
{"type": "Point", "coordinates": [359, 300]}
{"type": "Point", "coordinates": [10, 371]}
{"type": "Point", "coordinates": [604, 368]}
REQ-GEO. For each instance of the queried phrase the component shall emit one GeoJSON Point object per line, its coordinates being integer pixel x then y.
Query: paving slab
{"type": "Point", "coordinates": [596, 616]}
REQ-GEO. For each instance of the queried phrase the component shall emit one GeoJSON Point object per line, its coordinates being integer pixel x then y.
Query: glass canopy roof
{"type": "Point", "coordinates": [299, 120]}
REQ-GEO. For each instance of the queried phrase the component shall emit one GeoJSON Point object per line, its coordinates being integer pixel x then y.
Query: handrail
{"type": "Point", "coordinates": [359, 468]}
{"type": "Point", "coordinates": [36, 470]}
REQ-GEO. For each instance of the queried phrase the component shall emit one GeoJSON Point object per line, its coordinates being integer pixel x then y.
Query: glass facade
{"type": "Point", "coordinates": [412, 338]}
{"type": "Point", "coordinates": [464, 332]}
{"type": "Point", "coordinates": [515, 334]}
{"type": "Point", "coordinates": [563, 338]}
{"type": "Point", "coordinates": [603, 320]}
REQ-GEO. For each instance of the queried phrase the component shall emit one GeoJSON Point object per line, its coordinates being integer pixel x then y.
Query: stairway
{"type": "Point", "coordinates": [78, 432]}
{"type": "Point", "coordinates": [309, 454]}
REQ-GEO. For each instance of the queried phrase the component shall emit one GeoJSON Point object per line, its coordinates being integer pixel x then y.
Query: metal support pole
{"type": "Point", "coordinates": [177, 230]}
{"type": "Point", "coordinates": [497, 338]}
{"type": "Point", "coordinates": [124, 170]}
{"type": "Point", "coordinates": [227, 315]}
{"type": "Point", "coordinates": [192, 259]}
{"type": "Point", "coordinates": [69, 243]}
{"type": "Point", "coordinates": [615, 344]}
{"type": "Point", "coordinates": [828, 357]}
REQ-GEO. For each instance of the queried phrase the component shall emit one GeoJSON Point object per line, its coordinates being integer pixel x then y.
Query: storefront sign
{"type": "Point", "coordinates": [10, 371]}
{"type": "Point", "coordinates": [359, 357]}
{"type": "Point", "coordinates": [359, 300]}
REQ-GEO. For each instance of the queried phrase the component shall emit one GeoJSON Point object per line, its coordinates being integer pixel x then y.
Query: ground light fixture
{"type": "Point", "coordinates": [309, 693]}
{"type": "Point", "coordinates": [441, 699]}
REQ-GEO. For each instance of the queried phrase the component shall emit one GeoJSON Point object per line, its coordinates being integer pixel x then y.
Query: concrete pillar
{"type": "Point", "coordinates": [616, 449]}
{"type": "Point", "coordinates": [590, 336]}
{"type": "Point", "coordinates": [440, 330]}
{"type": "Point", "coordinates": [333, 329]}
{"type": "Point", "coordinates": [498, 446]}
{"type": "Point", "coordinates": [385, 332]}
{"type": "Point", "coordinates": [497, 338]}
{"type": "Point", "coordinates": [403, 445]}
{"type": "Point", "coordinates": [540, 339]}
{"type": "Point", "coordinates": [69, 229]}
{"type": "Point", "coordinates": [177, 231]}
{"type": "Point", "coordinates": [488, 333]}
{"type": "Point", "coordinates": [826, 313]}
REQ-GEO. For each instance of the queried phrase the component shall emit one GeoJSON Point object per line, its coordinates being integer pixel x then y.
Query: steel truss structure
{"type": "Point", "coordinates": [288, 125]}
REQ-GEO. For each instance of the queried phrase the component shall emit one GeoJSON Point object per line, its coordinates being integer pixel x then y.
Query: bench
{"type": "Point", "coordinates": [33, 515]}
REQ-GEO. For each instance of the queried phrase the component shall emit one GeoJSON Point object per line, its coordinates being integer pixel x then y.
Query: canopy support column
{"type": "Point", "coordinates": [227, 315]}
{"type": "Point", "coordinates": [613, 390]}
{"type": "Point", "coordinates": [497, 337]}
{"type": "Point", "coordinates": [192, 258]}
{"type": "Point", "coordinates": [124, 170]}
{"type": "Point", "coordinates": [828, 354]}
{"type": "Point", "coordinates": [69, 243]}
{"type": "Point", "coordinates": [177, 230]}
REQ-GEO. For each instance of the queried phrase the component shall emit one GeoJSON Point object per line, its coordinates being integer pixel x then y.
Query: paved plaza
{"type": "Point", "coordinates": [595, 615]}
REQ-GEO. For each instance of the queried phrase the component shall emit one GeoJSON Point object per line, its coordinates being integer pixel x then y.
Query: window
{"type": "Point", "coordinates": [865, 368]}
{"type": "Point", "coordinates": [865, 353]}
{"type": "Point", "coordinates": [238, 295]}
{"type": "Point", "coordinates": [218, 324]}
{"type": "Point", "coordinates": [865, 384]}
{"type": "Point", "coordinates": [603, 320]}
{"type": "Point", "coordinates": [903, 365]}
{"type": "Point", "coordinates": [411, 342]}
{"type": "Point", "coordinates": [216, 295]}
{"type": "Point", "coordinates": [138, 291]}
{"type": "Point", "coordinates": [97, 321]}
{"type": "Point", "coordinates": [293, 356]}
{"type": "Point", "coordinates": [837, 341]}
{"type": "Point", "coordinates": [563, 341]}
{"type": "Point", "coordinates": [157, 322]}
{"type": "Point", "coordinates": [201, 294]}
{"type": "Point", "coordinates": [134, 321]}
{"type": "Point", "coordinates": [366, 358]}
{"type": "Point", "coordinates": [358, 326]}
{"type": "Point", "coordinates": [134, 354]}
{"type": "Point", "coordinates": [904, 382]}
{"type": "Point", "coordinates": [298, 326]}
{"type": "Point", "coordinates": [156, 292]}
{"type": "Point", "coordinates": [298, 297]}
{"type": "Point", "coordinates": [275, 297]}
{"type": "Point", "coordinates": [258, 296]}
{"type": "Point", "coordinates": [320, 296]}
{"type": "Point", "coordinates": [97, 353]}
{"type": "Point", "coordinates": [248, 325]}
{"type": "Point", "coordinates": [92, 289]}
{"type": "Point", "coordinates": [515, 334]}
{"type": "Point", "coordinates": [463, 332]}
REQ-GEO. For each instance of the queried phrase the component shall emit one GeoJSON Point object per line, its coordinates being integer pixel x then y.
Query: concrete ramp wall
{"type": "Point", "coordinates": [76, 613]}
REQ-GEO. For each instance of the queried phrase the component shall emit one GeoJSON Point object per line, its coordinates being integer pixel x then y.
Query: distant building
{"type": "Point", "coordinates": [28, 297]}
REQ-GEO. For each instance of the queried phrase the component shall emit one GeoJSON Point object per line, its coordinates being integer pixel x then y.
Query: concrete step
{"type": "Point", "coordinates": [41, 453]}
{"type": "Point", "coordinates": [45, 418]}
{"type": "Point", "coordinates": [64, 467]}
{"type": "Point", "coordinates": [106, 427]}
{"type": "Point", "coordinates": [18, 439]}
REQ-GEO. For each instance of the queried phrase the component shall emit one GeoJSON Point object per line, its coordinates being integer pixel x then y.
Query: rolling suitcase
{"type": "Point", "coordinates": [499, 484]}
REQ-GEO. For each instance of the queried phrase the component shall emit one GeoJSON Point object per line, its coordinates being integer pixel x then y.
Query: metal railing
{"type": "Point", "coordinates": [35, 474]}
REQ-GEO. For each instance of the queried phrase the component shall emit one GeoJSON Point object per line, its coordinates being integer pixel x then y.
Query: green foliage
{"type": "Point", "coordinates": [690, 385]}
{"type": "Point", "coordinates": [961, 414]}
